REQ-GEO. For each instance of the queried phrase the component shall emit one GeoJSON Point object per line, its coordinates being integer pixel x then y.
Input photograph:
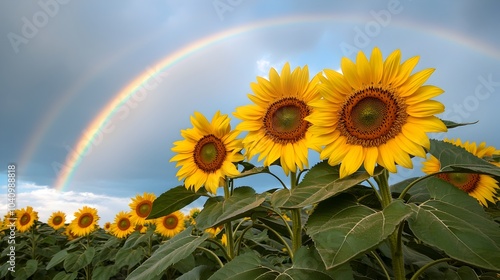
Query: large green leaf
{"type": "Point", "coordinates": [172, 251]}
{"type": "Point", "coordinates": [217, 210]}
{"type": "Point", "coordinates": [457, 158]}
{"type": "Point", "coordinates": [129, 257]}
{"type": "Point", "coordinates": [57, 259]}
{"type": "Point", "coordinates": [343, 229]}
{"type": "Point", "coordinates": [455, 223]}
{"type": "Point", "coordinates": [199, 272]}
{"type": "Point", "coordinates": [417, 194]}
{"type": "Point", "coordinates": [320, 183]}
{"type": "Point", "coordinates": [104, 272]}
{"type": "Point", "coordinates": [25, 271]}
{"type": "Point", "coordinates": [78, 260]}
{"type": "Point", "coordinates": [244, 266]}
{"type": "Point", "coordinates": [65, 276]}
{"type": "Point", "coordinates": [173, 200]}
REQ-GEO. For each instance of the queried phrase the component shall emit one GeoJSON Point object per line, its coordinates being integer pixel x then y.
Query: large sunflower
{"type": "Point", "coordinates": [171, 224]}
{"type": "Point", "coordinates": [375, 112]}
{"type": "Point", "coordinates": [480, 186]}
{"type": "Point", "coordinates": [85, 221]}
{"type": "Point", "coordinates": [141, 207]}
{"type": "Point", "coordinates": [122, 225]}
{"type": "Point", "coordinates": [56, 220]}
{"type": "Point", "coordinates": [276, 123]}
{"type": "Point", "coordinates": [207, 153]}
{"type": "Point", "coordinates": [26, 218]}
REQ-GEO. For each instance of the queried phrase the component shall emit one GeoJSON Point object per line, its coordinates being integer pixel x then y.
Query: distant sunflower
{"type": "Point", "coordinates": [193, 213]}
{"type": "Point", "coordinates": [26, 218]}
{"type": "Point", "coordinates": [223, 239]}
{"type": "Point", "coordinates": [122, 225]}
{"type": "Point", "coordinates": [171, 224]}
{"type": "Point", "coordinates": [85, 221]}
{"type": "Point", "coordinates": [214, 231]}
{"type": "Point", "coordinates": [107, 226]}
{"type": "Point", "coordinates": [141, 207]}
{"type": "Point", "coordinates": [207, 153]}
{"type": "Point", "coordinates": [375, 112]}
{"type": "Point", "coordinates": [68, 232]}
{"type": "Point", "coordinates": [141, 228]}
{"type": "Point", "coordinates": [56, 220]}
{"type": "Point", "coordinates": [480, 186]}
{"type": "Point", "coordinates": [276, 122]}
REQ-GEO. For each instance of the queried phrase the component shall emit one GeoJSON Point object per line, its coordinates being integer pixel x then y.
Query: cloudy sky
{"type": "Point", "coordinates": [64, 62]}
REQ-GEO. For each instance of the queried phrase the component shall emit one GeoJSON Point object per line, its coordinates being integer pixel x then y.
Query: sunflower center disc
{"type": "Point", "coordinates": [465, 181]}
{"type": "Point", "coordinates": [57, 220]}
{"type": "Point", "coordinates": [25, 219]}
{"type": "Point", "coordinates": [143, 209]}
{"type": "Point", "coordinates": [284, 120]}
{"type": "Point", "coordinates": [372, 116]}
{"type": "Point", "coordinates": [209, 153]}
{"type": "Point", "coordinates": [124, 224]}
{"type": "Point", "coordinates": [85, 220]}
{"type": "Point", "coordinates": [170, 222]}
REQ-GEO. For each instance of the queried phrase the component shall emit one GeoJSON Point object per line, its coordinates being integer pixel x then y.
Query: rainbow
{"type": "Point", "coordinates": [99, 121]}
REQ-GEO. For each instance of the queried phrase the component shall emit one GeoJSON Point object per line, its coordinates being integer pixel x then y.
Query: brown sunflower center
{"type": "Point", "coordinates": [143, 209]}
{"type": "Point", "coordinates": [170, 222]}
{"type": "Point", "coordinates": [284, 121]}
{"type": "Point", "coordinates": [209, 153]}
{"type": "Point", "coordinates": [372, 116]}
{"type": "Point", "coordinates": [124, 224]}
{"type": "Point", "coordinates": [25, 219]}
{"type": "Point", "coordinates": [85, 220]}
{"type": "Point", "coordinates": [57, 220]}
{"type": "Point", "coordinates": [465, 181]}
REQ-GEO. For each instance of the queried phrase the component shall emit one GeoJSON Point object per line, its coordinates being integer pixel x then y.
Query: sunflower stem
{"type": "Point", "coordinates": [228, 226]}
{"type": "Point", "coordinates": [425, 267]}
{"type": "Point", "coordinates": [398, 265]}
{"type": "Point", "coordinates": [296, 219]}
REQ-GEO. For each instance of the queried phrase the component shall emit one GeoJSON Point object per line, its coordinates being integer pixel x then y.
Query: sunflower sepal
{"type": "Point", "coordinates": [451, 124]}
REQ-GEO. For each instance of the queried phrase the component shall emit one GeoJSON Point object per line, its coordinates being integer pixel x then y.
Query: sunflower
{"type": "Point", "coordinates": [376, 112]}
{"type": "Point", "coordinates": [141, 206]}
{"type": "Point", "coordinates": [193, 213]}
{"type": "Point", "coordinates": [141, 228]}
{"type": "Point", "coordinates": [85, 221]}
{"type": "Point", "coordinates": [122, 225]}
{"type": "Point", "coordinates": [276, 123]}
{"type": "Point", "coordinates": [171, 224]}
{"type": "Point", "coordinates": [207, 153]}
{"type": "Point", "coordinates": [107, 226]}
{"type": "Point", "coordinates": [26, 218]}
{"type": "Point", "coordinates": [480, 186]}
{"type": "Point", "coordinates": [213, 231]}
{"type": "Point", "coordinates": [56, 220]}
{"type": "Point", "coordinates": [223, 239]}
{"type": "Point", "coordinates": [69, 233]}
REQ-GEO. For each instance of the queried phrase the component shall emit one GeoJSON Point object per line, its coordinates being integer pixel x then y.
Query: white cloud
{"type": "Point", "coordinates": [264, 65]}
{"type": "Point", "coordinates": [47, 200]}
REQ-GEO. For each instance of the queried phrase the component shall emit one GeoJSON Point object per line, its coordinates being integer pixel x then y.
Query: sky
{"type": "Point", "coordinates": [123, 78]}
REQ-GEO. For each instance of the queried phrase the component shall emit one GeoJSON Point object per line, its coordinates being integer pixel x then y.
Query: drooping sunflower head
{"type": "Point", "coordinates": [56, 220]}
{"type": "Point", "coordinates": [122, 225]}
{"type": "Point", "coordinates": [85, 221]}
{"type": "Point", "coordinates": [276, 122]}
{"type": "Point", "coordinates": [480, 186]}
{"type": "Point", "coordinates": [375, 112]}
{"type": "Point", "coordinates": [141, 207]}
{"type": "Point", "coordinates": [26, 218]}
{"type": "Point", "coordinates": [214, 231]}
{"type": "Point", "coordinates": [207, 153]}
{"type": "Point", "coordinates": [171, 224]}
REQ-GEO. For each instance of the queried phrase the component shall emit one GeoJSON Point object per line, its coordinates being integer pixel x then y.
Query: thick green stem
{"type": "Point", "coordinates": [296, 219]}
{"type": "Point", "coordinates": [216, 258]}
{"type": "Point", "coordinates": [398, 265]}
{"type": "Point", "coordinates": [228, 226]}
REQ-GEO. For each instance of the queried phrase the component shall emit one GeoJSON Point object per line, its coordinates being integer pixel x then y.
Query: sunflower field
{"type": "Point", "coordinates": [339, 218]}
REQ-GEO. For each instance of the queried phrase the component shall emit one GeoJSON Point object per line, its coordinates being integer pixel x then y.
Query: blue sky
{"type": "Point", "coordinates": [63, 61]}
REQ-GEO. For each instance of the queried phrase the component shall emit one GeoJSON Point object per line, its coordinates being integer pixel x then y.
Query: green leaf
{"type": "Point", "coordinates": [217, 210]}
{"type": "Point", "coordinates": [27, 270]}
{"type": "Point", "coordinates": [172, 251]}
{"type": "Point", "coordinates": [451, 124]}
{"type": "Point", "coordinates": [252, 171]}
{"type": "Point", "coordinates": [343, 229]}
{"type": "Point", "coordinates": [78, 260]}
{"type": "Point", "coordinates": [65, 276]}
{"type": "Point", "coordinates": [417, 194]}
{"type": "Point", "coordinates": [129, 257]}
{"type": "Point", "coordinates": [104, 272]}
{"type": "Point", "coordinates": [320, 183]}
{"type": "Point", "coordinates": [454, 158]}
{"type": "Point", "coordinates": [454, 222]}
{"type": "Point", "coordinates": [56, 259]}
{"type": "Point", "coordinates": [173, 200]}
{"type": "Point", "coordinates": [244, 266]}
{"type": "Point", "coordinates": [199, 272]}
